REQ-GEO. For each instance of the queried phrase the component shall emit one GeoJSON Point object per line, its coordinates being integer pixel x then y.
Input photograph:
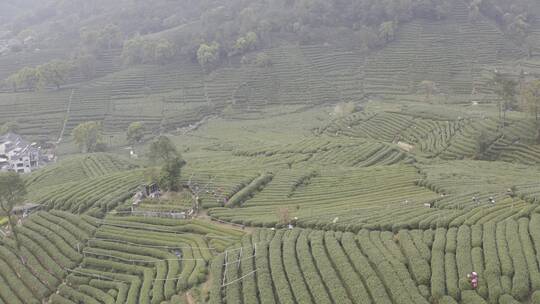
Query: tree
{"type": "Point", "coordinates": [135, 132]}
{"type": "Point", "coordinates": [164, 51]}
{"type": "Point", "coordinates": [88, 136]}
{"type": "Point", "coordinates": [12, 192]}
{"type": "Point", "coordinates": [94, 42]}
{"type": "Point", "coordinates": [245, 43]}
{"type": "Point", "coordinates": [139, 50]}
{"type": "Point", "coordinates": [109, 37]}
{"type": "Point", "coordinates": [133, 50]}
{"type": "Point", "coordinates": [162, 150]}
{"type": "Point", "coordinates": [518, 28]}
{"type": "Point", "coordinates": [85, 65]}
{"type": "Point", "coordinates": [532, 102]}
{"type": "Point", "coordinates": [26, 77]}
{"type": "Point", "coordinates": [54, 73]}
{"type": "Point", "coordinates": [208, 55]}
{"type": "Point", "coordinates": [505, 89]}
{"type": "Point", "coordinates": [170, 174]}
{"type": "Point", "coordinates": [482, 145]}
{"type": "Point", "coordinates": [387, 31]}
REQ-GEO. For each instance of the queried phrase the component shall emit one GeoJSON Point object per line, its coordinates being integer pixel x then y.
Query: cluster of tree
{"type": "Point", "coordinates": [135, 133]}
{"type": "Point", "coordinates": [513, 17]}
{"type": "Point", "coordinates": [12, 192]}
{"type": "Point", "coordinates": [163, 152]}
{"type": "Point", "coordinates": [507, 89]}
{"type": "Point", "coordinates": [208, 55]}
{"type": "Point", "coordinates": [237, 31]}
{"type": "Point", "coordinates": [97, 41]}
{"type": "Point", "coordinates": [89, 137]}
{"type": "Point", "coordinates": [53, 73]}
{"type": "Point", "coordinates": [139, 50]}
{"type": "Point", "coordinates": [212, 31]}
{"type": "Point", "coordinates": [531, 97]}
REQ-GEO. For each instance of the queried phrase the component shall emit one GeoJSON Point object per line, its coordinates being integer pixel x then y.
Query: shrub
{"type": "Point", "coordinates": [438, 283]}
{"type": "Point", "coordinates": [494, 284]}
{"type": "Point", "coordinates": [529, 252]}
{"type": "Point", "coordinates": [535, 298]}
{"type": "Point", "coordinates": [463, 256]}
{"type": "Point", "coordinates": [508, 299]}
{"type": "Point", "coordinates": [520, 281]}
{"type": "Point", "coordinates": [364, 269]}
{"type": "Point", "coordinates": [502, 248]}
{"type": "Point", "coordinates": [471, 297]}
{"type": "Point", "coordinates": [478, 266]}
{"type": "Point", "coordinates": [264, 281]}
{"type": "Point", "coordinates": [476, 237]}
{"type": "Point", "coordinates": [217, 273]}
{"type": "Point", "coordinates": [447, 300]}
{"type": "Point", "coordinates": [451, 236]}
{"type": "Point", "coordinates": [418, 267]}
{"type": "Point", "coordinates": [451, 275]}
{"type": "Point", "coordinates": [246, 193]}
{"type": "Point", "coordinates": [232, 291]}
{"type": "Point", "coordinates": [311, 275]}
{"type": "Point", "coordinates": [345, 270]}
{"type": "Point", "coordinates": [327, 270]}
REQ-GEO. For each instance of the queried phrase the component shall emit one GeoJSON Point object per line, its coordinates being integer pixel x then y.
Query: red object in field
{"type": "Point", "coordinates": [474, 283]}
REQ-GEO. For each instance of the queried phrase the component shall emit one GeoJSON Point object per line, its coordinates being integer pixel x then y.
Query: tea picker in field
{"type": "Point", "coordinates": [473, 279]}
{"type": "Point", "coordinates": [491, 200]}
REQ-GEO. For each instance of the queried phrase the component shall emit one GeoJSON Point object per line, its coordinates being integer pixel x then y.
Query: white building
{"type": "Point", "coordinates": [18, 155]}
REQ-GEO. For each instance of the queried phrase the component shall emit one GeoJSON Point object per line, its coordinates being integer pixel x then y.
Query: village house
{"type": "Point", "coordinates": [20, 156]}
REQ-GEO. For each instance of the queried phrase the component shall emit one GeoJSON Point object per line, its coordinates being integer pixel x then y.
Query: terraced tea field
{"type": "Point", "coordinates": [410, 266]}
{"type": "Point", "coordinates": [332, 173]}
{"type": "Point", "coordinates": [116, 260]}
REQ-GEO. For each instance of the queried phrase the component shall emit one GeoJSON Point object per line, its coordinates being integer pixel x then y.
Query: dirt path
{"type": "Point", "coordinates": [66, 117]}
{"type": "Point", "coordinates": [203, 215]}
{"type": "Point", "coordinates": [190, 299]}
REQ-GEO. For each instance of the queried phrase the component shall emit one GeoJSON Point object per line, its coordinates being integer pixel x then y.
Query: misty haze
{"type": "Point", "coordinates": [269, 151]}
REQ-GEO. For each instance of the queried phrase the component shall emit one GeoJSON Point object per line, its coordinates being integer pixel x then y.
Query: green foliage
{"type": "Point", "coordinates": [96, 41]}
{"type": "Point", "coordinates": [471, 297]}
{"type": "Point", "coordinates": [438, 285]}
{"type": "Point", "coordinates": [169, 179]}
{"type": "Point", "coordinates": [387, 31]}
{"type": "Point", "coordinates": [135, 132]}
{"type": "Point", "coordinates": [53, 73]}
{"type": "Point", "coordinates": [249, 191]}
{"type": "Point", "coordinates": [535, 298]}
{"type": "Point", "coordinates": [208, 55]}
{"type": "Point", "coordinates": [139, 50]}
{"type": "Point", "coordinates": [162, 150]}
{"type": "Point", "coordinates": [12, 192]}
{"type": "Point", "coordinates": [27, 78]}
{"type": "Point", "coordinates": [520, 280]}
{"type": "Point", "coordinates": [505, 88]}
{"type": "Point", "coordinates": [88, 136]}
{"type": "Point", "coordinates": [245, 44]}
{"type": "Point", "coordinates": [418, 267]}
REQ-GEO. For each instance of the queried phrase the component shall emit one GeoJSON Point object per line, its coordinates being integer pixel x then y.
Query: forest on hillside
{"type": "Point", "coordinates": [212, 32]}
